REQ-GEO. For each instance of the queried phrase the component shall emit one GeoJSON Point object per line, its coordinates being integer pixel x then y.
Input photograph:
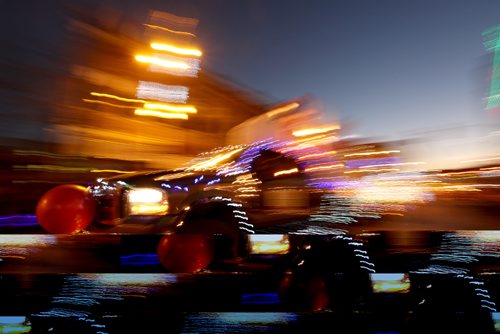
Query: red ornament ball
{"type": "Point", "coordinates": [68, 208]}
{"type": "Point", "coordinates": [185, 253]}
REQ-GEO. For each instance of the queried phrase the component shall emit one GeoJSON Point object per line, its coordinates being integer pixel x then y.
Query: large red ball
{"type": "Point", "coordinates": [185, 253]}
{"type": "Point", "coordinates": [67, 208]}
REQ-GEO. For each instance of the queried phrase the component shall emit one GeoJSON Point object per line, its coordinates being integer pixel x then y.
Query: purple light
{"type": "Point", "coordinates": [18, 221]}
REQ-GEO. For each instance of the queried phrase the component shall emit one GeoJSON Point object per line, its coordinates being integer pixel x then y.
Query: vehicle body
{"type": "Point", "coordinates": [235, 189]}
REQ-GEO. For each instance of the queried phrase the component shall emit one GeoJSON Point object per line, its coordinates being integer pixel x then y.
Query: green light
{"type": "Point", "coordinates": [492, 43]}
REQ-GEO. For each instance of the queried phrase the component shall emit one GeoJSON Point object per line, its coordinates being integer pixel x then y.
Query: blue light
{"type": "Point", "coordinates": [12, 320]}
{"type": "Point", "coordinates": [260, 299]}
{"type": "Point", "coordinates": [139, 260]}
{"type": "Point", "coordinates": [213, 181]}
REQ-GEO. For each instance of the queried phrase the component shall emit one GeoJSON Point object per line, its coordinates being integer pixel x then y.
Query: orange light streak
{"type": "Point", "coordinates": [171, 107]}
{"type": "Point", "coordinates": [160, 114]}
{"type": "Point", "coordinates": [117, 97]}
{"type": "Point", "coordinates": [314, 131]}
{"type": "Point", "coordinates": [370, 153]}
{"type": "Point", "coordinates": [108, 104]}
{"type": "Point", "coordinates": [162, 62]}
{"type": "Point", "coordinates": [311, 169]}
{"type": "Point", "coordinates": [283, 109]}
{"type": "Point", "coordinates": [371, 170]}
{"type": "Point", "coordinates": [316, 155]}
{"type": "Point", "coordinates": [481, 160]}
{"type": "Point", "coordinates": [286, 171]}
{"type": "Point", "coordinates": [175, 49]}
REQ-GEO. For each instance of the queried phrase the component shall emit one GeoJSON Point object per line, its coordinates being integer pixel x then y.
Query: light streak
{"type": "Point", "coordinates": [165, 93]}
{"type": "Point", "coordinates": [108, 104]}
{"type": "Point", "coordinates": [117, 97]}
{"type": "Point", "coordinates": [51, 168]}
{"type": "Point", "coordinates": [316, 168]}
{"type": "Point", "coordinates": [181, 66]}
{"type": "Point", "coordinates": [371, 153]}
{"type": "Point", "coordinates": [215, 160]}
{"type": "Point", "coordinates": [154, 113]}
{"type": "Point", "coordinates": [171, 107]}
{"type": "Point", "coordinates": [152, 26]}
{"type": "Point", "coordinates": [314, 131]}
{"type": "Point", "coordinates": [481, 160]}
{"type": "Point", "coordinates": [316, 155]}
{"type": "Point", "coordinates": [287, 171]}
{"type": "Point", "coordinates": [111, 171]}
{"type": "Point", "coordinates": [372, 170]}
{"type": "Point", "coordinates": [175, 49]}
{"type": "Point", "coordinates": [162, 62]}
{"type": "Point", "coordinates": [398, 164]}
{"type": "Point", "coordinates": [282, 109]}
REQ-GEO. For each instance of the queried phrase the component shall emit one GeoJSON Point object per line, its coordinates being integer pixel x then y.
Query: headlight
{"type": "Point", "coordinates": [147, 201]}
{"type": "Point", "coordinates": [390, 283]}
{"type": "Point", "coordinates": [269, 243]}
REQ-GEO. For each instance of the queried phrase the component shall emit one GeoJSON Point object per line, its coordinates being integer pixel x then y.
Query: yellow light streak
{"type": "Point", "coordinates": [247, 195]}
{"type": "Point", "coordinates": [287, 171]}
{"type": "Point", "coordinates": [372, 170]}
{"type": "Point", "coordinates": [111, 171]}
{"type": "Point", "coordinates": [117, 97]}
{"type": "Point", "coordinates": [309, 140]}
{"type": "Point", "coordinates": [314, 131]}
{"type": "Point", "coordinates": [160, 114]}
{"type": "Point", "coordinates": [461, 187]}
{"type": "Point", "coordinates": [311, 169]}
{"type": "Point", "coordinates": [472, 172]}
{"type": "Point", "coordinates": [371, 153]}
{"type": "Point", "coordinates": [398, 164]}
{"type": "Point", "coordinates": [175, 49]}
{"type": "Point", "coordinates": [316, 155]}
{"type": "Point", "coordinates": [108, 104]}
{"type": "Point", "coordinates": [53, 168]}
{"type": "Point", "coordinates": [481, 160]}
{"type": "Point", "coordinates": [152, 26]}
{"type": "Point", "coordinates": [493, 169]}
{"type": "Point", "coordinates": [171, 107]}
{"type": "Point", "coordinates": [247, 189]}
{"type": "Point", "coordinates": [282, 109]}
{"type": "Point", "coordinates": [215, 160]}
{"type": "Point", "coordinates": [162, 62]}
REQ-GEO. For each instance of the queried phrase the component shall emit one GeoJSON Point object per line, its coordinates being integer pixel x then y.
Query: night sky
{"type": "Point", "coordinates": [386, 68]}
